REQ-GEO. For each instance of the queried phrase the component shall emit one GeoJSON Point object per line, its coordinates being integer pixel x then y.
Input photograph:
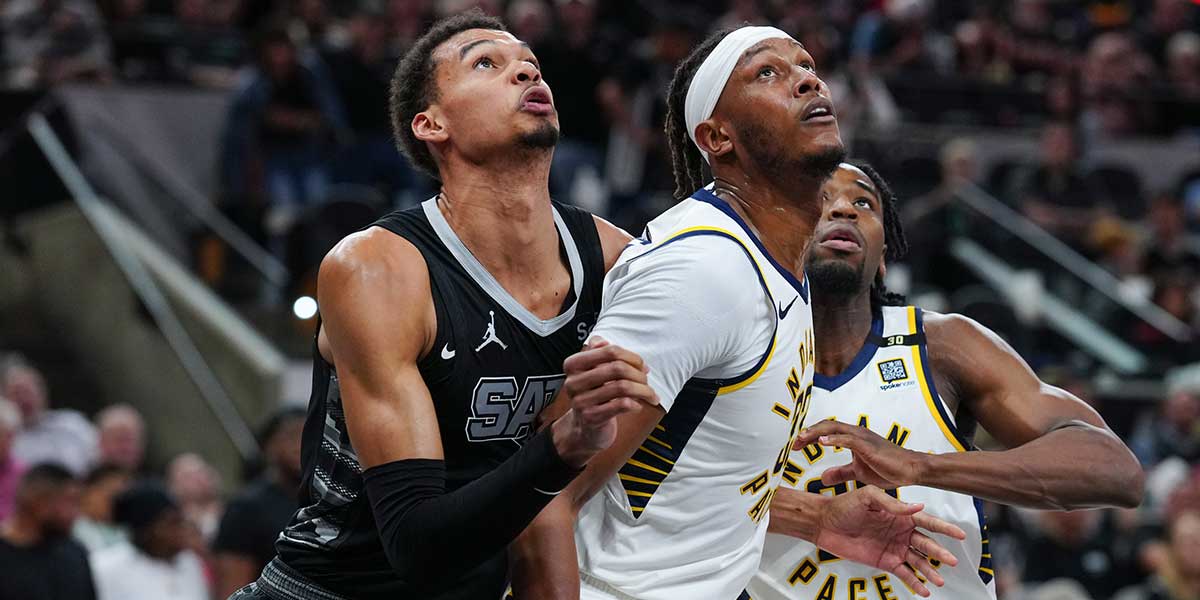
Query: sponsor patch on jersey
{"type": "Point", "coordinates": [894, 373]}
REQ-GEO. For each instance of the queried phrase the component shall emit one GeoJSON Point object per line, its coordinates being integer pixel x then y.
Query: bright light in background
{"type": "Point", "coordinates": [304, 307]}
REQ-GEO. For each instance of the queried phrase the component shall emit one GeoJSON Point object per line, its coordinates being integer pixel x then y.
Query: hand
{"type": "Point", "coordinates": [870, 527]}
{"type": "Point", "coordinates": [603, 382]}
{"type": "Point", "coordinates": [876, 461]}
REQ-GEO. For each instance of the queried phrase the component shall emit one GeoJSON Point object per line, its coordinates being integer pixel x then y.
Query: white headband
{"type": "Point", "coordinates": [714, 72]}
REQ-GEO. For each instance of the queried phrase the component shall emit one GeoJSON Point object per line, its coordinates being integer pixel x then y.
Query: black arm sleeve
{"type": "Point", "coordinates": [430, 535]}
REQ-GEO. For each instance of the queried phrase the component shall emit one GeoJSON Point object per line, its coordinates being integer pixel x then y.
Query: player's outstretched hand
{"type": "Point", "coordinates": [876, 461]}
{"type": "Point", "coordinates": [870, 527]}
{"type": "Point", "coordinates": [603, 381]}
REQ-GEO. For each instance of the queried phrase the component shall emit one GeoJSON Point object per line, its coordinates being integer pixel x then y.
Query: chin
{"type": "Point", "coordinates": [543, 136]}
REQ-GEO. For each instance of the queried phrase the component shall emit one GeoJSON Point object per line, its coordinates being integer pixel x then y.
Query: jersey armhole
{"type": "Point", "coordinates": [933, 401]}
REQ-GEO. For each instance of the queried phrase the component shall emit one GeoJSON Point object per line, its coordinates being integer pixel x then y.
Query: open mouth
{"type": "Point", "coordinates": [537, 100]}
{"type": "Point", "coordinates": [820, 111]}
{"type": "Point", "coordinates": [842, 239]}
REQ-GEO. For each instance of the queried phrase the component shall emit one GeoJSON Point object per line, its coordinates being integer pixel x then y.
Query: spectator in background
{"type": "Point", "coordinates": [1177, 572]}
{"type": "Point", "coordinates": [1173, 431]}
{"type": "Point", "coordinates": [576, 64]}
{"type": "Point", "coordinates": [1183, 64]}
{"type": "Point", "coordinates": [1117, 77]}
{"type": "Point", "coordinates": [38, 558]}
{"type": "Point", "coordinates": [95, 528]}
{"type": "Point", "coordinates": [11, 469]}
{"type": "Point", "coordinates": [61, 436]}
{"type": "Point", "coordinates": [362, 73]}
{"type": "Point", "coordinates": [901, 39]}
{"type": "Point", "coordinates": [206, 48]}
{"type": "Point", "coordinates": [1055, 194]}
{"type": "Point", "coordinates": [284, 118]}
{"type": "Point", "coordinates": [197, 487]}
{"type": "Point", "coordinates": [47, 42]}
{"type": "Point", "coordinates": [122, 437]}
{"type": "Point", "coordinates": [245, 542]}
{"type": "Point", "coordinates": [156, 563]}
{"type": "Point", "coordinates": [406, 20]}
{"type": "Point", "coordinates": [1079, 545]}
{"type": "Point", "coordinates": [933, 220]}
{"type": "Point", "coordinates": [1035, 43]}
{"type": "Point", "coordinates": [1171, 248]}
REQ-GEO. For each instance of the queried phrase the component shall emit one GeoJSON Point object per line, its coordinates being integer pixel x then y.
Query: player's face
{"type": "Point", "coordinates": [780, 110]}
{"type": "Point", "coordinates": [490, 93]}
{"type": "Point", "coordinates": [848, 243]}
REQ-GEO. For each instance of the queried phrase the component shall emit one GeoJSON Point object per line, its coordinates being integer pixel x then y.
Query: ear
{"type": "Point", "coordinates": [883, 265]}
{"type": "Point", "coordinates": [712, 138]}
{"type": "Point", "coordinates": [428, 126]}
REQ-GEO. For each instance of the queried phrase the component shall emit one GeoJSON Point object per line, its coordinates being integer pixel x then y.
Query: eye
{"type": "Point", "coordinates": [766, 71]}
{"type": "Point", "coordinates": [863, 202]}
{"type": "Point", "coordinates": [809, 67]}
{"type": "Point", "coordinates": [484, 62]}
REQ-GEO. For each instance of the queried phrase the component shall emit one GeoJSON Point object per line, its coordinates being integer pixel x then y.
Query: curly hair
{"type": "Point", "coordinates": [414, 86]}
{"type": "Point", "coordinates": [893, 236]}
{"type": "Point", "coordinates": [686, 162]}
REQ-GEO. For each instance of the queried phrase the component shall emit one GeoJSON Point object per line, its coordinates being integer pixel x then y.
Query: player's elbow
{"type": "Point", "coordinates": [1129, 494]}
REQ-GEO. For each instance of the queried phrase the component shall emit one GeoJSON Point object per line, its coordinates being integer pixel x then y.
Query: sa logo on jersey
{"type": "Point", "coordinates": [500, 410]}
{"type": "Point", "coordinates": [893, 373]}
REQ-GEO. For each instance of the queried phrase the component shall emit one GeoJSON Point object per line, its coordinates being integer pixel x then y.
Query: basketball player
{"type": "Point", "coordinates": [443, 335]}
{"type": "Point", "coordinates": [897, 394]}
{"type": "Point", "coordinates": [713, 298]}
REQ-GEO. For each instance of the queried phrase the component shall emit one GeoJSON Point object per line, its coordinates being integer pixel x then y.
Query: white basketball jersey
{"type": "Point", "coordinates": [686, 516]}
{"type": "Point", "coordinates": [888, 389]}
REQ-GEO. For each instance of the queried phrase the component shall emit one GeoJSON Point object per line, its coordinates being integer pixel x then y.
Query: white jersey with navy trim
{"type": "Point", "coordinates": [686, 516]}
{"type": "Point", "coordinates": [888, 389]}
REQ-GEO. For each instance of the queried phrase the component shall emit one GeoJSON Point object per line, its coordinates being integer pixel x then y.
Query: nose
{"type": "Point", "coordinates": [842, 208]}
{"type": "Point", "coordinates": [525, 72]}
{"type": "Point", "coordinates": [809, 82]}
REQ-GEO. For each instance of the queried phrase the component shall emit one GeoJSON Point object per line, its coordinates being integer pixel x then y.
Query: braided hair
{"type": "Point", "coordinates": [686, 161]}
{"type": "Point", "coordinates": [893, 236]}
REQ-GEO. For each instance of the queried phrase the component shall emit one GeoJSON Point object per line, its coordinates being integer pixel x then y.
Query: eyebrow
{"type": "Point", "coordinates": [465, 49]}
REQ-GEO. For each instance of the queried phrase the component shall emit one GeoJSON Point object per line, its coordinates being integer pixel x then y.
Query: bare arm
{"type": "Point", "coordinates": [233, 571]}
{"type": "Point", "coordinates": [379, 321]}
{"type": "Point", "coordinates": [1061, 453]}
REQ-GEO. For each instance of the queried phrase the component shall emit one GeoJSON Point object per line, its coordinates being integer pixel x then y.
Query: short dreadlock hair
{"type": "Point", "coordinates": [893, 236]}
{"type": "Point", "coordinates": [686, 161]}
{"type": "Point", "coordinates": [414, 85]}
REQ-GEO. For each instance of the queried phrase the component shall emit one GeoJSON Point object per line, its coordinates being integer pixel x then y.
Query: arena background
{"type": "Point", "coordinates": [172, 172]}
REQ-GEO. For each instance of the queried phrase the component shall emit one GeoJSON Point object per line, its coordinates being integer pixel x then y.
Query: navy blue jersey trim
{"type": "Point", "coordinates": [762, 280]}
{"type": "Point", "coordinates": [708, 197]}
{"type": "Point", "coordinates": [860, 362]}
{"type": "Point", "coordinates": [648, 467]}
{"type": "Point", "coordinates": [927, 368]}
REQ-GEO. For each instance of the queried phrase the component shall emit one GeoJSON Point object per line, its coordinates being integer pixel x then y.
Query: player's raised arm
{"type": "Point", "coordinates": [379, 320]}
{"type": "Point", "coordinates": [1061, 455]}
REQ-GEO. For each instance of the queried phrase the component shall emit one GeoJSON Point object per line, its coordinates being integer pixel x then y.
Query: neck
{"type": "Point", "coordinates": [19, 530]}
{"type": "Point", "coordinates": [840, 324]}
{"type": "Point", "coordinates": [480, 200]}
{"type": "Point", "coordinates": [782, 218]}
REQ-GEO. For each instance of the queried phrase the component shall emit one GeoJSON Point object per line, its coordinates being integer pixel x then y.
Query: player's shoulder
{"type": "Point", "coordinates": [373, 260]}
{"type": "Point", "coordinates": [954, 328]}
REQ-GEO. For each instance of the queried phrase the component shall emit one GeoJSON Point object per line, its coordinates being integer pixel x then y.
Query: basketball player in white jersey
{"type": "Point", "coordinates": [713, 298]}
{"type": "Point", "coordinates": [896, 396]}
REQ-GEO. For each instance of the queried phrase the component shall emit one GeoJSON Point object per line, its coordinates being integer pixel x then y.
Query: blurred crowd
{"type": "Point", "coordinates": [83, 515]}
{"type": "Point", "coordinates": [307, 155]}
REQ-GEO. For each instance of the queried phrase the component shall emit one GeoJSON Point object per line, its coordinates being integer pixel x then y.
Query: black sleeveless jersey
{"type": "Point", "coordinates": [493, 367]}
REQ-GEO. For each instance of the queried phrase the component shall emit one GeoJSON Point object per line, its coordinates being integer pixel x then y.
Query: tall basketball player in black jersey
{"type": "Point", "coordinates": [443, 336]}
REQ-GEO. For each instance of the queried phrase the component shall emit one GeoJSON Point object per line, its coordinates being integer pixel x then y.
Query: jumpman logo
{"type": "Point", "coordinates": [490, 335]}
